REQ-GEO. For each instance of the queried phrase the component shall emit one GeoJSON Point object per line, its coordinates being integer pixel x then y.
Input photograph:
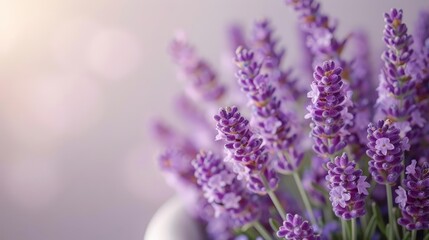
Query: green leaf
{"type": "Point", "coordinates": [380, 222]}
{"type": "Point", "coordinates": [274, 224]}
{"type": "Point", "coordinates": [407, 235]}
{"type": "Point", "coordinates": [426, 237]}
{"type": "Point", "coordinates": [388, 229]}
{"type": "Point", "coordinates": [370, 228]}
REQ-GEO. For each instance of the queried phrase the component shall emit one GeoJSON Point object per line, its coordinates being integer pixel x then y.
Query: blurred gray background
{"type": "Point", "coordinates": [79, 82]}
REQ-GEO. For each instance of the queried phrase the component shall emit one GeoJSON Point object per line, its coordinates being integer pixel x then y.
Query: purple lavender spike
{"type": "Point", "coordinates": [421, 32]}
{"type": "Point", "coordinates": [272, 123]}
{"type": "Point", "coordinates": [328, 110]}
{"type": "Point", "coordinates": [265, 47]}
{"type": "Point", "coordinates": [386, 150]}
{"type": "Point", "coordinates": [422, 85]}
{"type": "Point", "coordinates": [296, 228]}
{"type": "Point", "coordinates": [413, 198]}
{"type": "Point", "coordinates": [348, 188]}
{"type": "Point", "coordinates": [236, 37]}
{"type": "Point", "coordinates": [203, 84]}
{"type": "Point", "coordinates": [325, 46]}
{"type": "Point", "coordinates": [361, 76]}
{"type": "Point", "coordinates": [397, 94]}
{"type": "Point", "coordinates": [247, 155]}
{"type": "Point", "coordinates": [222, 189]}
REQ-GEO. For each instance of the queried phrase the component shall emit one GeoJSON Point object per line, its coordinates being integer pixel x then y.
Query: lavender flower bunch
{"type": "Point", "coordinates": [239, 188]}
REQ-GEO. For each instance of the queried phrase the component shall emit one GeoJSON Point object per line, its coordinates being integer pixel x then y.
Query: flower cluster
{"type": "Point", "coordinates": [272, 122]}
{"type": "Point", "coordinates": [398, 78]}
{"type": "Point", "coordinates": [265, 52]}
{"type": "Point", "coordinates": [224, 191]}
{"type": "Point", "coordinates": [203, 84]}
{"type": "Point", "coordinates": [328, 110]}
{"type": "Point", "coordinates": [413, 199]}
{"type": "Point", "coordinates": [386, 150]}
{"type": "Point", "coordinates": [296, 228]}
{"type": "Point", "coordinates": [249, 159]}
{"type": "Point", "coordinates": [348, 188]}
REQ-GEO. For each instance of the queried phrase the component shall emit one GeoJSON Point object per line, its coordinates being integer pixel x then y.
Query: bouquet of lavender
{"type": "Point", "coordinates": [248, 168]}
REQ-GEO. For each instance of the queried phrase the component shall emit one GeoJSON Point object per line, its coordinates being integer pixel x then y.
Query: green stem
{"type": "Point", "coordinates": [274, 198]}
{"type": "Point", "coordinates": [364, 221]}
{"type": "Point", "coordinates": [261, 230]}
{"type": "Point", "coordinates": [393, 225]}
{"type": "Point", "coordinates": [304, 198]}
{"type": "Point", "coordinates": [353, 228]}
{"type": "Point", "coordinates": [343, 227]}
{"type": "Point", "coordinates": [413, 235]}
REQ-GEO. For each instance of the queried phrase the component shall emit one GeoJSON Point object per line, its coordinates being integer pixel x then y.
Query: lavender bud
{"type": "Point", "coordinates": [221, 189]}
{"type": "Point", "coordinates": [296, 228]}
{"type": "Point", "coordinates": [348, 188]}
{"type": "Point", "coordinates": [413, 199]}
{"type": "Point", "coordinates": [386, 150]}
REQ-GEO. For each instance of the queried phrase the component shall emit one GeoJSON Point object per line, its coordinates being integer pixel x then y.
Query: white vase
{"type": "Point", "coordinates": [171, 222]}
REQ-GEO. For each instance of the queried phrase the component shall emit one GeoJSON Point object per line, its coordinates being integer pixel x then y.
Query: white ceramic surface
{"type": "Point", "coordinates": [171, 222]}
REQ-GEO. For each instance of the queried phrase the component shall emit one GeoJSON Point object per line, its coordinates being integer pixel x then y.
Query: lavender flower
{"type": "Point", "coordinates": [398, 80]}
{"type": "Point", "coordinates": [361, 74]}
{"type": "Point", "coordinates": [296, 228]}
{"type": "Point", "coordinates": [203, 84]}
{"type": "Point", "coordinates": [348, 188]}
{"type": "Point", "coordinates": [265, 46]}
{"type": "Point", "coordinates": [325, 46]}
{"type": "Point", "coordinates": [224, 191]}
{"type": "Point", "coordinates": [321, 33]}
{"type": "Point", "coordinates": [422, 29]}
{"type": "Point", "coordinates": [386, 150]}
{"type": "Point", "coordinates": [236, 37]}
{"type": "Point", "coordinates": [422, 47]}
{"type": "Point", "coordinates": [249, 159]}
{"type": "Point", "coordinates": [273, 124]}
{"type": "Point", "coordinates": [328, 110]}
{"type": "Point", "coordinates": [413, 199]}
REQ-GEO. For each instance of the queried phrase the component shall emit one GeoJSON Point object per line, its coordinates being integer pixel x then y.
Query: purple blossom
{"type": "Point", "coordinates": [401, 198]}
{"type": "Point", "coordinates": [385, 148]}
{"type": "Point", "coordinates": [422, 29]}
{"type": "Point", "coordinates": [202, 83]}
{"type": "Point", "coordinates": [325, 46]}
{"type": "Point", "coordinates": [265, 47]}
{"type": "Point", "coordinates": [223, 191]}
{"type": "Point", "coordinates": [348, 188]}
{"type": "Point", "coordinates": [245, 150]}
{"type": "Point", "coordinates": [363, 185]}
{"type": "Point", "coordinates": [383, 145]}
{"type": "Point", "coordinates": [272, 122]}
{"type": "Point", "coordinates": [413, 198]}
{"type": "Point", "coordinates": [411, 169]}
{"type": "Point", "coordinates": [296, 228]}
{"type": "Point", "coordinates": [397, 86]}
{"type": "Point", "coordinates": [329, 110]}
{"type": "Point", "coordinates": [339, 196]}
